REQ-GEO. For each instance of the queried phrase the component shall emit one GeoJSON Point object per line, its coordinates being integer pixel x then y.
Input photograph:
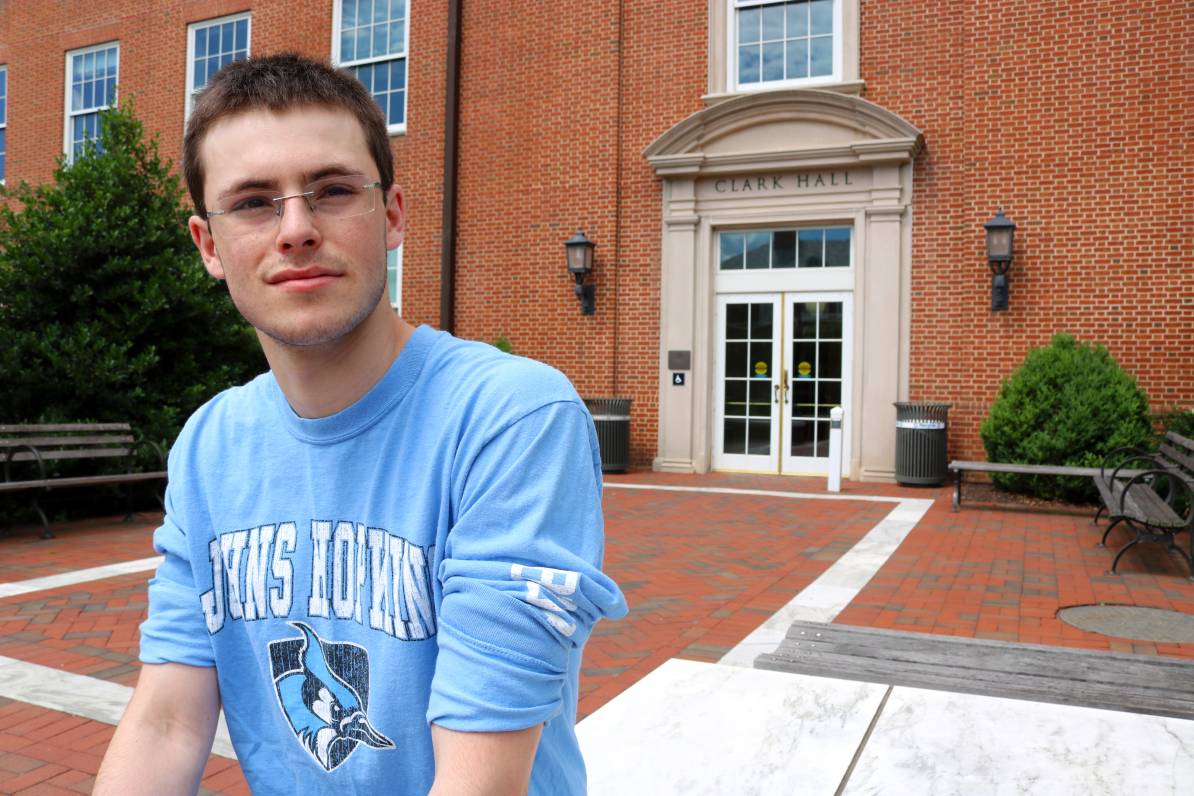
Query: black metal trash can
{"type": "Point", "coordinates": [922, 429]}
{"type": "Point", "coordinates": [611, 417]}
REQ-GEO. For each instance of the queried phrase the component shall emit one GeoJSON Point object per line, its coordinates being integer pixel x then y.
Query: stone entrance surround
{"type": "Point", "coordinates": [788, 157]}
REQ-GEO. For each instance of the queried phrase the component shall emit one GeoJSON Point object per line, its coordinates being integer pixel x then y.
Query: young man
{"type": "Point", "coordinates": [383, 555]}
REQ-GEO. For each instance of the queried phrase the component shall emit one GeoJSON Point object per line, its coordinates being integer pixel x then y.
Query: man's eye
{"type": "Point", "coordinates": [335, 191]}
{"type": "Point", "coordinates": [250, 204]}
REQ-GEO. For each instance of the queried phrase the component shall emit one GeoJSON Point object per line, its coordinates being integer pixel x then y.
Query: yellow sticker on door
{"type": "Point", "coordinates": [804, 369]}
{"type": "Point", "coordinates": [760, 368]}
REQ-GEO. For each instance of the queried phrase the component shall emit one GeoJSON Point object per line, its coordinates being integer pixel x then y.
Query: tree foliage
{"type": "Point", "coordinates": [105, 310]}
{"type": "Point", "coordinates": [1068, 403]}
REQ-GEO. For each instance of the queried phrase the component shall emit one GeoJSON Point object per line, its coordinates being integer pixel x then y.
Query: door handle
{"type": "Point", "coordinates": [784, 376]}
{"type": "Point", "coordinates": [775, 392]}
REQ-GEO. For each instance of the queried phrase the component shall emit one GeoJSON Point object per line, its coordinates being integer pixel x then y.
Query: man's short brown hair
{"type": "Point", "coordinates": [281, 83]}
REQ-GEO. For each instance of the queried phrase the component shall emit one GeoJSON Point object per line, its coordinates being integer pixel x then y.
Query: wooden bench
{"type": "Point", "coordinates": [23, 446]}
{"type": "Point", "coordinates": [960, 467]}
{"type": "Point", "coordinates": [1155, 684]}
{"type": "Point", "coordinates": [1155, 500]}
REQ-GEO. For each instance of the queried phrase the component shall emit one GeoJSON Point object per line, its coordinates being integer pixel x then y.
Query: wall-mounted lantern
{"type": "Point", "coordinates": [580, 262]}
{"type": "Point", "coordinates": [1000, 232]}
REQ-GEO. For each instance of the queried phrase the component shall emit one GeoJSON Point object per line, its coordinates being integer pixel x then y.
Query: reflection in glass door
{"type": "Point", "coordinates": [782, 363]}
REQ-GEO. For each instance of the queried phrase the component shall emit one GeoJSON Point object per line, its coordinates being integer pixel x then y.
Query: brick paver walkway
{"type": "Point", "coordinates": [700, 571]}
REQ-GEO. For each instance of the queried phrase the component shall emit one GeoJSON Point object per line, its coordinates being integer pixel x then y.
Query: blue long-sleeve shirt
{"type": "Point", "coordinates": [430, 554]}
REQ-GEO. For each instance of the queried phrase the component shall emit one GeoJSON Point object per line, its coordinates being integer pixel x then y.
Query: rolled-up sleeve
{"type": "Point", "coordinates": [174, 631]}
{"type": "Point", "coordinates": [521, 574]}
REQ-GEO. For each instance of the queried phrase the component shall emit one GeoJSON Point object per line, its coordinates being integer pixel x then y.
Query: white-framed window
{"type": "Point", "coordinates": [3, 123]}
{"type": "Point", "coordinates": [369, 37]}
{"type": "Point", "coordinates": [91, 75]}
{"type": "Point", "coordinates": [802, 247]}
{"type": "Point", "coordinates": [394, 278]}
{"type": "Point", "coordinates": [774, 44]}
{"type": "Point", "coordinates": [211, 44]}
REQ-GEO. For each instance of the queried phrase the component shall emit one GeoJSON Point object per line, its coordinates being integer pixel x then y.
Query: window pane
{"type": "Point", "coordinates": [822, 17]}
{"type": "Point", "coordinates": [748, 64]}
{"type": "Point", "coordinates": [349, 13]}
{"type": "Point", "coordinates": [773, 23]}
{"type": "Point", "coordinates": [810, 248]}
{"type": "Point", "coordinates": [397, 33]}
{"type": "Point", "coordinates": [737, 321]}
{"type": "Point", "coordinates": [397, 113]}
{"type": "Point", "coordinates": [797, 19]}
{"type": "Point", "coordinates": [773, 61]}
{"type": "Point", "coordinates": [734, 435]}
{"type": "Point", "coordinates": [804, 391]}
{"type": "Point", "coordinates": [837, 247]}
{"type": "Point", "coordinates": [760, 321]}
{"type": "Point", "coordinates": [783, 249]}
{"type": "Point", "coordinates": [748, 25]}
{"type": "Point", "coordinates": [806, 320]}
{"type": "Point", "coordinates": [362, 42]}
{"type": "Point", "coordinates": [822, 56]}
{"type": "Point", "coordinates": [831, 320]}
{"type": "Point", "coordinates": [760, 360]}
{"type": "Point", "coordinates": [200, 42]}
{"type": "Point", "coordinates": [759, 443]}
{"type": "Point", "coordinates": [806, 358]}
{"type": "Point", "coordinates": [831, 361]}
{"type": "Point", "coordinates": [348, 48]}
{"type": "Point", "coordinates": [737, 356]}
{"type": "Point", "coordinates": [242, 34]}
{"type": "Point", "coordinates": [802, 437]}
{"type": "Point", "coordinates": [735, 395]}
{"type": "Point", "coordinates": [797, 64]}
{"type": "Point", "coordinates": [3, 151]}
{"type": "Point", "coordinates": [758, 249]}
{"type": "Point", "coordinates": [733, 245]}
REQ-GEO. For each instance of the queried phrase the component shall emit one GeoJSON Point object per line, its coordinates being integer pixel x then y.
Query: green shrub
{"type": "Point", "coordinates": [1068, 403]}
{"type": "Point", "coordinates": [502, 343]}
{"type": "Point", "coordinates": [106, 312]}
{"type": "Point", "coordinates": [1178, 420]}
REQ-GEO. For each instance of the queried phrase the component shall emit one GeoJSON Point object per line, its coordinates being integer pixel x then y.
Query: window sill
{"type": "Point", "coordinates": [396, 130]}
{"type": "Point", "coordinates": [843, 87]}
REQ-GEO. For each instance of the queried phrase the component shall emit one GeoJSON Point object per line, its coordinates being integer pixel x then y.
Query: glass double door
{"type": "Point", "coordinates": [783, 361]}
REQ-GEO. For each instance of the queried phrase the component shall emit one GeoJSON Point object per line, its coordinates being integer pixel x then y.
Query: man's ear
{"type": "Point", "coordinates": [395, 217]}
{"type": "Point", "coordinates": [201, 235]}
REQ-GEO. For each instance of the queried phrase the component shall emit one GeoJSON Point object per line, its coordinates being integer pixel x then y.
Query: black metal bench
{"type": "Point", "coordinates": [960, 467]}
{"type": "Point", "coordinates": [23, 446]}
{"type": "Point", "coordinates": [1155, 500]}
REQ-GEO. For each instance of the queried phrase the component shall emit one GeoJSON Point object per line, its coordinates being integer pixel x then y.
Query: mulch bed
{"type": "Point", "coordinates": [989, 494]}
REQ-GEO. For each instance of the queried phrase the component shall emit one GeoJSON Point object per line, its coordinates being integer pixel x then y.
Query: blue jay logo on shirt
{"type": "Point", "coordinates": [323, 689]}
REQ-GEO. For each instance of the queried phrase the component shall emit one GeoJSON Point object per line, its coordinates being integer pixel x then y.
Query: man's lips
{"type": "Point", "coordinates": [303, 278]}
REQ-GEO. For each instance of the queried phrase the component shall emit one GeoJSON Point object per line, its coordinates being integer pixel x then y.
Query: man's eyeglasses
{"type": "Point", "coordinates": [255, 212]}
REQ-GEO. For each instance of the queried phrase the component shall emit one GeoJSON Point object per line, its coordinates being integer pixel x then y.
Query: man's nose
{"type": "Point", "coordinates": [296, 226]}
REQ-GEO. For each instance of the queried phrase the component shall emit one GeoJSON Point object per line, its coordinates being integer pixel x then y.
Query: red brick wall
{"type": "Point", "coordinates": [546, 149]}
{"type": "Point", "coordinates": [1076, 119]}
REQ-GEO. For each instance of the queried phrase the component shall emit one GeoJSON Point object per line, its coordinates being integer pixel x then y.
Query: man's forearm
{"type": "Point", "coordinates": [152, 758]}
{"type": "Point", "coordinates": [163, 740]}
{"type": "Point", "coordinates": [483, 763]}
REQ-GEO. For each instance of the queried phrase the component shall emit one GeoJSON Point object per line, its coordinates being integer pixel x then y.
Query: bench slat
{"type": "Point", "coordinates": [41, 442]}
{"type": "Point", "coordinates": [1024, 469]}
{"type": "Point", "coordinates": [83, 480]}
{"type": "Point", "coordinates": [90, 453]}
{"type": "Point", "coordinates": [1178, 456]}
{"type": "Point", "coordinates": [44, 427]}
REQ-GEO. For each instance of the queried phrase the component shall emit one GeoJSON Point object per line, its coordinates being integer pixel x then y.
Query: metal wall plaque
{"type": "Point", "coordinates": [679, 360]}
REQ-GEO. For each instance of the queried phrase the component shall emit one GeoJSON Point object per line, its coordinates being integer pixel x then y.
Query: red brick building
{"type": "Point", "coordinates": [791, 193]}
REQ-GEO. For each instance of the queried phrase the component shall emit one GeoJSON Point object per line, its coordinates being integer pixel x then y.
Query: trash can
{"type": "Point", "coordinates": [922, 428]}
{"type": "Point", "coordinates": [611, 417]}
